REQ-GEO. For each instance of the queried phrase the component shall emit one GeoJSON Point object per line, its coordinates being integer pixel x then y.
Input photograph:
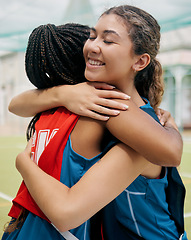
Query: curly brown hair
{"type": "Point", "coordinates": [144, 32]}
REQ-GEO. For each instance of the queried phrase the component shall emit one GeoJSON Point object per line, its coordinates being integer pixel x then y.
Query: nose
{"type": "Point", "coordinates": [93, 46]}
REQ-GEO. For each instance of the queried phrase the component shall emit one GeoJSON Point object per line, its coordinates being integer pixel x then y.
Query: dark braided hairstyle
{"type": "Point", "coordinates": [144, 32]}
{"type": "Point", "coordinates": [54, 56]}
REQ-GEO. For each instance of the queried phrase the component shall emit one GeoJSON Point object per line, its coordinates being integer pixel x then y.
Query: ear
{"type": "Point", "coordinates": [142, 62]}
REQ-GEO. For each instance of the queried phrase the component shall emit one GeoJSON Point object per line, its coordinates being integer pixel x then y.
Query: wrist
{"type": "Point", "coordinates": [60, 95]}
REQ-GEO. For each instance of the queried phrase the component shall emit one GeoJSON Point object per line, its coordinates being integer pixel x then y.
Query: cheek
{"type": "Point", "coordinates": [120, 67]}
{"type": "Point", "coordinates": [116, 63]}
{"type": "Point", "coordinates": [87, 46]}
{"type": "Point", "coordinates": [85, 49]}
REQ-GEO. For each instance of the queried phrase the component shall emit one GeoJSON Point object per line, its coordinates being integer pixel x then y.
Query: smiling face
{"type": "Point", "coordinates": [109, 52]}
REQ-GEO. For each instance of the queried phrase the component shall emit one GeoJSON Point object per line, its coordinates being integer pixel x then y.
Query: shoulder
{"type": "Point", "coordinates": [149, 110]}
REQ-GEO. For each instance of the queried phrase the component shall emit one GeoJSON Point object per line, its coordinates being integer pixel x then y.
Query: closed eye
{"type": "Point", "coordinates": [92, 38]}
{"type": "Point", "coordinates": [108, 42]}
{"type": "Point", "coordinates": [92, 35]}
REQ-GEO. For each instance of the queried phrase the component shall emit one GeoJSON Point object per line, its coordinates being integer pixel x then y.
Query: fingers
{"type": "Point", "coordinates": [158, 113]}
{"type": "Point", "coordinates": [108, 93]}
{"type": "Point", "coordinates": [163, 116]}
{"type": "Point", "coordinates": [104, 105]}
{"type": "Point", "coordinates": [97, 116]}
{"type": "Point", "coordinates": [113, 94]}
{"type": "Point", "coordinates": [100, 85]}
{"type": "Point", "coordinates": [98, 101]}
{"type": "Point", "coordinates": [103, 113]}
{"type": "Point", "coordinates": [109, 104]}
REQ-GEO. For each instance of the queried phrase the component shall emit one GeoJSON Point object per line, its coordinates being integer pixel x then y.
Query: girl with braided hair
{"type": "Point", "coordinates": [106, 179]}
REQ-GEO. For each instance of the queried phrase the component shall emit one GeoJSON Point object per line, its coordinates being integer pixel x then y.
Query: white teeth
{"type": "Point", "coordinates": [93, 62]}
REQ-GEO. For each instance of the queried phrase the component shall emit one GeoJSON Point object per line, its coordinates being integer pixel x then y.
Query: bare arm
{"type": "Point", "coordinates": [66, 207]}
{"type": "Point", "coordinates": [166, 119]}
{"type": "Point", "coordinates": [92, 100]}
{"type": "Point", "coordinates": [160, 145]}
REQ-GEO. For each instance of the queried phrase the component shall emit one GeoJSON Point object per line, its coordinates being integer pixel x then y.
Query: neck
{"type": "Point", "coordinates": [132, 92]}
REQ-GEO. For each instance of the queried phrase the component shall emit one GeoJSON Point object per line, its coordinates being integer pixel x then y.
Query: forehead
{"type": "Point", "coordinates": [112, 22]}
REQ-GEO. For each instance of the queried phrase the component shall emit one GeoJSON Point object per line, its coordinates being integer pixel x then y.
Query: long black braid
{"type": "Point", "coordinates": [54, 56]}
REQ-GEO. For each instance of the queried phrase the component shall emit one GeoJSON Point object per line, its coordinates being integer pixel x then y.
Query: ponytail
{"type": "Point", "coordinates": [149, 83]}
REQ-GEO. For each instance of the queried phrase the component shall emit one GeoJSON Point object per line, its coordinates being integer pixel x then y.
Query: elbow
{"type": "Point", "coordinates": [10, 107]}
{"type": "Point", "coordinates": [170, 156]}
{"type": "Point", "coordinates": [175, 155]}
{"type": "Point", "coordinates": [175, 160]}
{"type": "Point", "coordinates": [172, 150]}
{"type": "Point", "coordinates": [16, 108]}
{"type": "Point", "coordinates": [178, 150]}
{"type": "Point", "coordinates": [169, 159]}
{"type": "Point", "coordinates": [61, 220]}
{"type": "Point", "coordinates": [13, 108]}
{"type": "Point", "coordinates": [62, 227]}
{"type": "Point", "coordinates": [65, 219]}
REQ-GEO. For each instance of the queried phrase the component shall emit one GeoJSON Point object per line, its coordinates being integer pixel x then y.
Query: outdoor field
{"type": "Point", "coordinates": [10, 178]}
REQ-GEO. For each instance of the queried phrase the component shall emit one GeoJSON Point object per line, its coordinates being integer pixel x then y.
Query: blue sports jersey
{"type": "Point", "coordinates": [73, 168]}
{"type": "Point", "coordinates": [142, 210]}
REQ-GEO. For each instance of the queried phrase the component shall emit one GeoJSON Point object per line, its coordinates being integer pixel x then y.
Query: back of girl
{"type": "Point", "coordinates": [54, 57]}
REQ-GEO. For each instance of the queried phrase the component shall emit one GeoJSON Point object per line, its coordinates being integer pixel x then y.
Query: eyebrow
{"type": "Point", "coordinates": [106, 31]}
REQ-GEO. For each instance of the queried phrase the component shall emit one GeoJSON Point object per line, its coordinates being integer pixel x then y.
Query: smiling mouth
{"type": "Point", "coordinates": [95, 62]}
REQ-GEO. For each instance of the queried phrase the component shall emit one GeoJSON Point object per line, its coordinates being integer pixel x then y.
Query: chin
{"type": "Point", "coordinates": [91, 78]}
{"type": "Point", "coordinates": [95, 77]}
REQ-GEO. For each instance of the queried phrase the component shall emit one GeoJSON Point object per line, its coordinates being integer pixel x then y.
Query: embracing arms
{"type": "Point", "coordinates": [66, 207]}
{"type": "Point", "coordinates": [160, 145]}
{"type": "Point", "coordinates": [92, 100]}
